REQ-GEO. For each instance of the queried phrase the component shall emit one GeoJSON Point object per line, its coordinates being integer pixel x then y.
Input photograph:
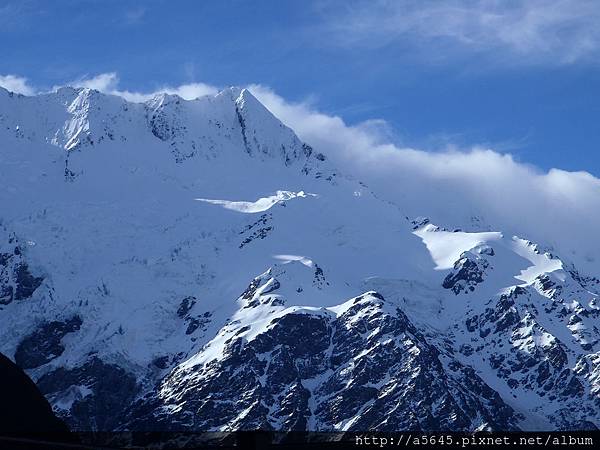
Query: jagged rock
{"type": "Point", "coordinates": [468, 272]}
{"type": "Point", "coordinates": [16, 280]}
{"type": "Point", "coordinates": [92, 396]}
{"type": "Point", "coordinates": [44, 344]}
{"type": "Point", "coordinates": [366, 368]}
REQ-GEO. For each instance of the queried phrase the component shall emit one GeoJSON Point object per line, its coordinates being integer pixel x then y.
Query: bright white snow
{"type": "Point", "coordinates": [541, 262]}
{"type": "Point", "coordinates": [285, 259]}
{"type": "Point", "coordinates": [260, 205]}
{"type": "Point", "coordinates": [446, 247]}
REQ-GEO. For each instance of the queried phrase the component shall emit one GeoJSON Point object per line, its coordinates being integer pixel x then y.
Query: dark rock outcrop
{"type": "Point", "coordinates": [17, 282]}
{"type": "Point", "coordinates": [365, 368]}
{"type": "Point", "coordinates": [97, 392]}
{"type": "Point", "coordinates": [44, 344]}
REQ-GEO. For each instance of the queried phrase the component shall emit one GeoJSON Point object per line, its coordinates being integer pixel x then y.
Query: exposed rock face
{"type": "Point", "coordinates": [537, 361]}
{"type": "Point", "coordinates": [17, 282]}
{"type": "Point", "coordinates": [92, 396]}
{"type": "Point", "coordinates": [362, 366]}
{"type": "Point", "coordinates": [44, 344]}
{"type": "Point", "coordinates": [469, 270]}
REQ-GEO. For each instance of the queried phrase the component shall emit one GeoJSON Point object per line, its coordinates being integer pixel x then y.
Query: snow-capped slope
{"type": "Point", "coordinates": [150, 251]}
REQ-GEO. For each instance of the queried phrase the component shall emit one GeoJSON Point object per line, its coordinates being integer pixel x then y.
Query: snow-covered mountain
{"type": "Point", "coordinates": [193, 265]}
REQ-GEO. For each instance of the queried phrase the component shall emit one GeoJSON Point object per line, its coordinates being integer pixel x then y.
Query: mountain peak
{"type": "Point", "coordinates": [209, 126]}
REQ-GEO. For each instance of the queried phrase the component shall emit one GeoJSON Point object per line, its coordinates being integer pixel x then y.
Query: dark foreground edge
{"type": "Point", "coordinates": [259, 440]}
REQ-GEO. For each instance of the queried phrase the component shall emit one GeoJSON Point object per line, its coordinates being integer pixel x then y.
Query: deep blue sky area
{"type": "Point", "coordinates": [524, 83]}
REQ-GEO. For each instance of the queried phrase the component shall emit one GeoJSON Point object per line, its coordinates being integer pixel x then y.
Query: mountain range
{"type": "Point", "coordinates": [193, 265]}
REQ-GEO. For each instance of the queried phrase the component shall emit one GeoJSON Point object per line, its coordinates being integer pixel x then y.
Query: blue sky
{"type": "Point", "coordinates": [517, 76]}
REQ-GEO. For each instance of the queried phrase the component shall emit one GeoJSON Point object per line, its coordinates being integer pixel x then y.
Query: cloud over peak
{"type": "Point", "coordinates": [109, 84]}
{"type": "Point", "coordinates": [16, 84]}
{"type": "Point", "coordinates": [557, 207]}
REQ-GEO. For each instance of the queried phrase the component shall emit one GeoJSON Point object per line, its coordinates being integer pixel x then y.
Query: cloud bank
{"type": "Point", "coordinates": [559, 208]}
{"type": "Point", "coordinates": [16, 84]}
{"type": "Point", "coordinates": [109, 82]}
{"type": "Point", "coordinates": [521, 31]}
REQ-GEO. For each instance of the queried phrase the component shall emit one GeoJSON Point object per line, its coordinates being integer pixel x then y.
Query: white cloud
{"type": "Point", "coordinates": [520, 31]}
{"type": "Point", "coordinates": [104, 82]}
{"type": "Point", "coordinates": [109, 84]}
{"type": "Point", "coordinates": [134, 16]}
{"type": "Point", "coordinates": [16, 84]}
{"type": "Point", "coordinates": [191, 90]}
{"type": "Point", "coordinates": [557, 207]}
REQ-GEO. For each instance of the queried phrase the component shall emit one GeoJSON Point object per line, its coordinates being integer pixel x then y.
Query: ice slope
{"type": "Point", "coordinates": [148, 249]}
